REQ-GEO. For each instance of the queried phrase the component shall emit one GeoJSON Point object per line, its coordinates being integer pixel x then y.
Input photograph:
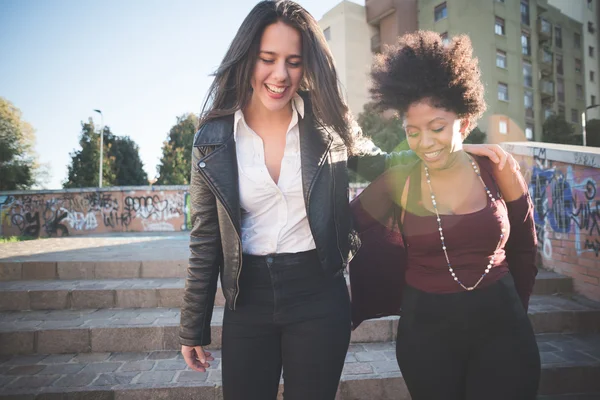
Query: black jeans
{"type": "Point", "coordinates": [476, 345]}
{"type": "Point", "coordinates": [289, 314]}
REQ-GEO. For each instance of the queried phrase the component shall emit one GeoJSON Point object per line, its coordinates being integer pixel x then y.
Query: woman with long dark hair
{"type": "Point", "coordinates": [270, 212]}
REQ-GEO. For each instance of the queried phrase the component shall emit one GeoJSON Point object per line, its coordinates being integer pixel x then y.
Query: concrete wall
{"type": "Point", "coordinates": [563, 184]}
{"type": "Point", "coordinates": [94, 211]}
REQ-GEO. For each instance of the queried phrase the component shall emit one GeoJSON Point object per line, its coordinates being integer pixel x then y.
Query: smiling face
{"type": "Point", "coordinates": [278, 70]}
{"type": "Point", "coordinates": [434, 134]}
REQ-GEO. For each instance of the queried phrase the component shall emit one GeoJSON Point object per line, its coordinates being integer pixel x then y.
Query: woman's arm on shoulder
{"type": "Point", "coordinates": [521, 246]}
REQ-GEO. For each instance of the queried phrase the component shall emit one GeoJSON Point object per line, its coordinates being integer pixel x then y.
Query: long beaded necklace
{"type": "Point", "coordinates": [439, 221]}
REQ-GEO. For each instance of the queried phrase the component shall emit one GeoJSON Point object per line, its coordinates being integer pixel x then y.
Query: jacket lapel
{"type": "Point", "coordinates": [219, 167]}
{"type": "Point", "coordinates": [314, 146]}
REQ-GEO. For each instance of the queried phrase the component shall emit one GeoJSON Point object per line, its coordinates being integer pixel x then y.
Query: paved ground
{"type": "Point", "coordinates": [43, 373]}
{"type": "Point", "coordinates": [122, 247]}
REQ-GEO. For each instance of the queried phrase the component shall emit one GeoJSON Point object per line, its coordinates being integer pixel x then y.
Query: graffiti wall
{"type": "Point", "coordinates": [563, 184]}
{"type": "Point", "coordinates": [68, 212]}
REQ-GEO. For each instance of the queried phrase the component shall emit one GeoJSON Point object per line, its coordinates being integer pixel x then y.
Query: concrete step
{"type": "Point", "coordinates": [570, 363]}
{"type": "Point", "coordinates": [148, 293]}
{"type": "Point", "coordinates": [148, 329]}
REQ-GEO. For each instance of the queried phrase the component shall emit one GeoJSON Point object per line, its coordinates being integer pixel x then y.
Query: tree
{"type": "Point", "coordinates": [387, 133]}
{"type": "Point", "coordinates": [18, 165]}
{"type": "Point", "coordinates": [557, 130]}
{"type": "Point", "coordinates": [592, 132]}
{"type": "Point", "coordinates": [477, 136]}
{"type": "Point", "coordinates": [121, 163]}
{"type": "Point", "coordinates": [175, 163]}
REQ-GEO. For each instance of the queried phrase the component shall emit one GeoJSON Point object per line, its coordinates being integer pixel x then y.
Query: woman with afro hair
{"type": "Point", "coordinates": [457, 231]}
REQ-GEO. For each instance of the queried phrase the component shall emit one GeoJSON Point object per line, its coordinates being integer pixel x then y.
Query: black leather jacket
{"type": "Point", "coordinates": [215, 243]}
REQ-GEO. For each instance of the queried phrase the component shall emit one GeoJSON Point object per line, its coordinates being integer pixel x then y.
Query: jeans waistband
{"type": "Point", "coordinates": [283, 258]}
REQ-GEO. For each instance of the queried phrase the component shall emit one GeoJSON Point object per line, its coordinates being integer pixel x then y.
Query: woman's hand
{"type": "Point", "coordinates": [495, 153]}
{"type": "Point", "coordinates": [196, 358]}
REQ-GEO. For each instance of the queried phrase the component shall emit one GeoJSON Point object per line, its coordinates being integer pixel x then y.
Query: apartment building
{"type": "Point", "coordinates": [348, 36]}
{"type": "Point", "coordinates": [587, 12]}
{"type": "Point", "coordinates": [534, 59]}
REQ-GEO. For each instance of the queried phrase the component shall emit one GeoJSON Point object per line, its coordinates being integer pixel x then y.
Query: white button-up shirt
{"type": "Point", "coordinates": [274, 216]}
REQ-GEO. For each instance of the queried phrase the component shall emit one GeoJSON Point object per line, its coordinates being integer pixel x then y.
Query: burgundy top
{"type": "Point", "coordinates": [471, 239]}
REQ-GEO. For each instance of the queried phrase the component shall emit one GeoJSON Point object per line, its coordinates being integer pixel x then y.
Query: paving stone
{"type": "Point", "coordinates": [37, 270]}
{"type": "Point", "coordinates": [120, 378]}
{"type": "Point", "coordinates": [25, 360]}
{"type": "Point", "coordinates": [192, 376]}
{"type": "Point", "coordinates": [62, 369]}
{"type": "Point", "coordinates": [75, 380]}
{"type": "Point", "coordinates": [385, 366]}
{"type": "Point", "coordinates": [49, 299]}
{"type": "Point", "coordinates": [58, 358]}
{"type": "Point", "coordinates": [81, 299]}
{"type": "Point", "coordinates": [137, 366]}
{"type": "Point", "coordinates": [129, 356]}
{"type": "Point", "coordinates": [136, 298]}
{"type": "Point", "coordinates": [14, 301]}
{"type": "Point", "coordinates": [169, 365]}
{"type": "Point", "coordinates": [63, 341]}
{"type": "Point", "coordinates": [97, 368]}
{"type": "Point", "coordinates": [551, 358]}
{"type": "Point", "coordinates": [25, 370]}
{"type": "Point", "coordinates": [163, 355]}
{"type": "Point", "coordinates": [357, 369]}
{"type": "Point", "coordinates": [156, 377]}
{"type": "Point", "coordinates": [16, 342]}
{"type": "Point", "coordinates": [91, 357]}
{"type": "Point", "coordinates": [370, 356]}
{"type": "Point", "coordinates": [32, 382]}
{"type": "Point", "coordinates": [75, 269]}
{"type": "Point", "coordinates": [126, 339]}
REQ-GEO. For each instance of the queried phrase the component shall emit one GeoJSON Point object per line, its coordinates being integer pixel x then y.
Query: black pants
{"type": "Point", "coordinates": [476, 345]}
{"type": "Point", "coordinates": [289, 314]}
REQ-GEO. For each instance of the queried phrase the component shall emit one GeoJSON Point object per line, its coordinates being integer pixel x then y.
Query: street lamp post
{"type": "Point", "coordinates": [102, 145]}
{"type": "Point", "coordinates": [584, 120]}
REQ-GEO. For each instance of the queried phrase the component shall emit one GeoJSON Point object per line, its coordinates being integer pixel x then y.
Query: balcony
{"type": "Point", "coordinates": [378, 9]}
{"type": "Point", "coordinates": [544, 29]}
{"type": "Point", "coordinates": [546, 62]}
{"type": "Point", "coordinates": [547, 91]}
{"type": "Point", "coordinates": [376, 43]}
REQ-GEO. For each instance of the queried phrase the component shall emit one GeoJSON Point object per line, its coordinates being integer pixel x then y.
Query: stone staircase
{"type": "Point", "coordinates": [108, 330]}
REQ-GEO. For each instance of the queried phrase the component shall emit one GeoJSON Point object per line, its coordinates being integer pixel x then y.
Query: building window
{"type": "Point", "coordinates": [577, 65]}
{"type": "Point", "coordinates": [559, 65]}
{"type": "Point", "coordinates": [499, 27]}
{"type": "Point", "coordinates": [547, 56]}
{"type": "Point", "coordinates": [593, 100]}
{"type": "Point", "coordinates": [558, 36]}
{"type": "Point", "coordinates": [500, 59]}
{"type": "Point", "coordinates": [503, 126]}
{"type": "Point", "coordinates": [440, 12]}
{"type": "Point", "coordinates": [327, 33]}
{"type": "Point", "coordinates": [527, 75]}
{"type": "Point", "coordinates": [502, 91]}
{"type": "Point", "coordinates": [592, 76]}
{"type": "Point", "coordinates": [528, 101]}
{"type": "Point", "coordinates": [546, 27]}
{"type": "Point", "coordinates": [574, 116]}
{"type": "Point", "coordinates": [525, 12]}
{"type": "Point", "coordinates": [525, 44]}
{"type": "Point", "coordinates": [591, 28]}
{"type": "Point", "coordinates": [591, 51]}
{"type": "Point", "coordinates": [560, 89]}
{"type": "Point", "coordinates": [561, 111]}
{"type": "Point", "coordinates": [445, 38]}
{"type": "Point", "coordinates": [579, 91]}
{"type": "Point", "coordinates": [499, 1]}
{"type": "Point", "coordinates": [590, 4]}
{"type": "Point", "coordinates": [547, 113]}
{"type": "Point", "coordinates": [577, 40]}
{"type": "Point", "coordinates": [529, 132]}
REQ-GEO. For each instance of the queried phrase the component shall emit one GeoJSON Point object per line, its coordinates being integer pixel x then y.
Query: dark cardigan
{"type": "Point", "coordinates": [377, 270]}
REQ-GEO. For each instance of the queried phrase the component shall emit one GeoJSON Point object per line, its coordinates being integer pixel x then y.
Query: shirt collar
{"type": "Point", "coordinates": [297, 109]}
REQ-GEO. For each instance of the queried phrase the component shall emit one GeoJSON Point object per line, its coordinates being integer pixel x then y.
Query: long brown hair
{"type": "Point", "coordinates": [231, 89]}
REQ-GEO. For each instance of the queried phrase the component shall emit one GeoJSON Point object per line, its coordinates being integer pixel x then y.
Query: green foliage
{"type": "Point", "coordinates": [175, 163]}
{"type": "Point", "coordinates": [557, 130]}
{"type": "Point", "coordinates": [121, 163]}
{"type": "Point", "coordinates": [17, 160]}
{"type": "Point", "coordinates": [387, 133]}
{"type": "Point", "coordinates": [592, 128]}
{"type": "Point", "coordinates": [477, 136]}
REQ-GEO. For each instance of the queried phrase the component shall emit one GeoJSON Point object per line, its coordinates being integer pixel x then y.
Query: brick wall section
{"type": "Point", "coordinates": [563, 183]}
{"type": "Point", "coordinates": [93, 211]}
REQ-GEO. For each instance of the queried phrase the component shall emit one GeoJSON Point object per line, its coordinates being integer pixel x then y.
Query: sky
{"type": "Point", "coordinates": [143, 63]}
